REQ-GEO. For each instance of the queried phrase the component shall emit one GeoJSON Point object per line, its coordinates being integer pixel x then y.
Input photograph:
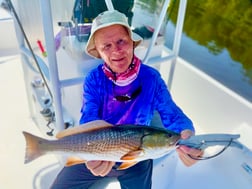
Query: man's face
{"type": "Point", "coordinates": [115, 47]}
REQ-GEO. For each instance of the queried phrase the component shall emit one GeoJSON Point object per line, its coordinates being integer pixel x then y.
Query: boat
{"type": "Point", "coordinates": [54, 98]}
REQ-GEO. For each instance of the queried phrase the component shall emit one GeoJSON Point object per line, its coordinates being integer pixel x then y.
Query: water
{"type": "Point", "coordinates": [217, 39]}
{"type": "Point", "coordinates": [221, 67]}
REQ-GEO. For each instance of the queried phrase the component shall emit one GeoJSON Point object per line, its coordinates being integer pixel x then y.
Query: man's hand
{"type": "Point", "coordinates": [185, 152]}
{"type": "Point", "coordinates": [100, 168]}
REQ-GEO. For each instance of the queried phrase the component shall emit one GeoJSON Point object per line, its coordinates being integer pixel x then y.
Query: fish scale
{"type": "Point", "coordinates": [106, 142]}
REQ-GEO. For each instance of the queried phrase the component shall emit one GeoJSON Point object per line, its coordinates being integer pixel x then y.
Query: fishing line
{"type": "Point", "coordinates": [12, 9]}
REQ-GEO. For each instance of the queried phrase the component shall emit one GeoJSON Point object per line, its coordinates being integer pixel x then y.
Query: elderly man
{"type": "Point", "coordinates": [123, 91]}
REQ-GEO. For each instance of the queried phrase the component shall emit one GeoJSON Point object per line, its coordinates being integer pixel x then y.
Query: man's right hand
{"type": "Point", "coordinates": [100, 168]}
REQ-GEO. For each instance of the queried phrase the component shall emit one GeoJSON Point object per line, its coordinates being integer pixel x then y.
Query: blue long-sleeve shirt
{"type": "Point", "coordinates": [99, 101]}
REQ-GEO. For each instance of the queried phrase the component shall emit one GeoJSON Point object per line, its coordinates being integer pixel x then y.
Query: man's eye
{"type": "Point", "coordinates": [107, 47]}
{"type": "Point", "coordinates": [121, 42]}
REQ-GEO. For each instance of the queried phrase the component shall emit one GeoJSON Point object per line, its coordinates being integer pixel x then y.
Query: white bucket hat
{"type": "Point", "coordinates": [106, 19]}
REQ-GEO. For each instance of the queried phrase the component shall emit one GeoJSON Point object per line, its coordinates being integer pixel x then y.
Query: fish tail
{"type": "Point", "coordinates": [33, 144]}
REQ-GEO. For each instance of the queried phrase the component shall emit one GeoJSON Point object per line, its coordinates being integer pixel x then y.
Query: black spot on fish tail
{"type": "Point", "coordinates": [33, 150]}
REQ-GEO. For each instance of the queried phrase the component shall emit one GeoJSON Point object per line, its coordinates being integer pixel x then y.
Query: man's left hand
{"type": "Point", "coordinates": [185, 152]}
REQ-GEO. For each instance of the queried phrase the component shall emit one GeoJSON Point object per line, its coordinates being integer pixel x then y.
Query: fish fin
{"type": "Point", "coordinates": [132, 155]}
{"type": "Point", "coordinates": [126, 165]}
{"type": "Point", "coordinates": [32, 147]}
{"type": "Point", "coordinates": [90, 126]}
{"type": "Point", "coordinates": [74, 161]}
